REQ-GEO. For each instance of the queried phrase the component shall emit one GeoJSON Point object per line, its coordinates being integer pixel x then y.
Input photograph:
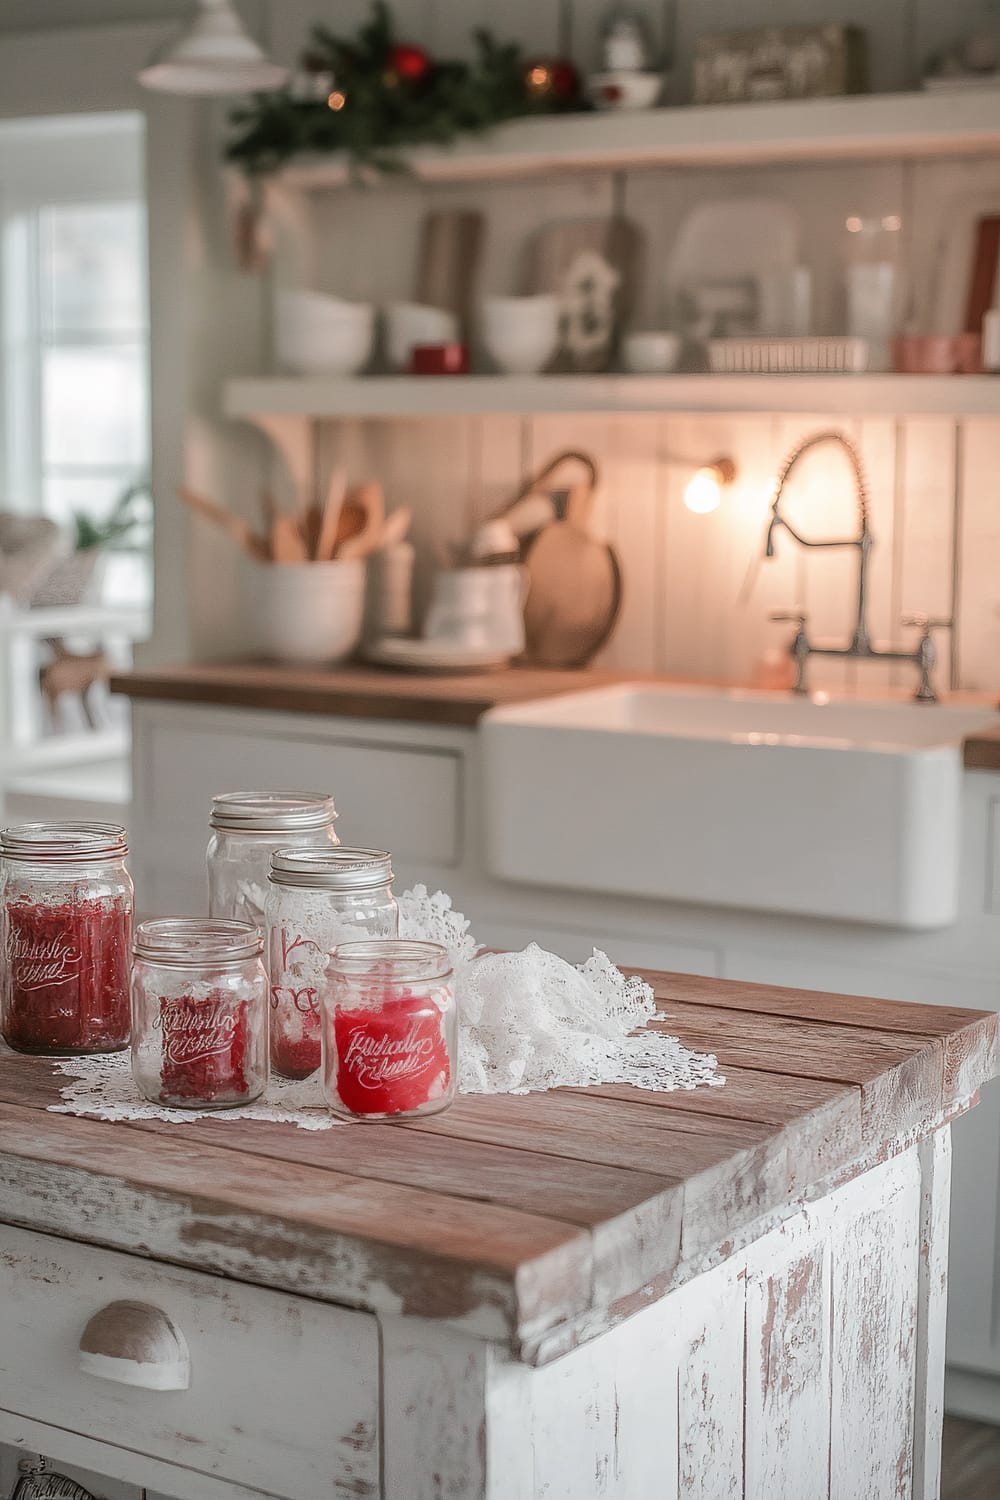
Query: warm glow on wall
{"type": "Point", "coordinates": [703, 491]}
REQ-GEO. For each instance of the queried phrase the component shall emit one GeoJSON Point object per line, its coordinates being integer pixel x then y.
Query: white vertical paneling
{"type": "Point", "coordinates": [925, 493]}
{"type": "Point", "coordinates": [634, 478]}
{"type": "Point", "coordinates": [497, 458]}
{"type": "Point", "coordinates": [604, 1419]}
{"type": "Point", "coordinates": [788, 1375]}
{"type": "Point", "coordinates": [979, 574]}
{"type": "Point", "coordinates": [710, 1390]}
{"type": "Point", "coordinates": [935, 1170]}
{"type": "Point", "coordinates": [426, 465]}
{"type": "Point", "coordinates": [874, 1294]}
{"type": "Point", "coordinates": [693, 643]}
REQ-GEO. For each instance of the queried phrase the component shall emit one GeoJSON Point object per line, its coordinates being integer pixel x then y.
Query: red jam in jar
{"type": "Point", "coordinates": [199, 1013]}
{"type": "Point", "coordinates": [66, 936]}
{"type": "Point", "coordinates": [389, 1030]}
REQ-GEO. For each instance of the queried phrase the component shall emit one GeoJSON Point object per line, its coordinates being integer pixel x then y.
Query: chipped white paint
{"type": "Point", "coordinates": [935, 1167]}
{"type": "Point", "coordinates": [788, 1372]}
{"type": "Point", "coordinates": [808, 1364]}
{"type": "Point", "coordinates": [284, 1391]}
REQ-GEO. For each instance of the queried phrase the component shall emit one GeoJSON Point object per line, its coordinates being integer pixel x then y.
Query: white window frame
{"type": "Point", "coordinates": [63, 160]}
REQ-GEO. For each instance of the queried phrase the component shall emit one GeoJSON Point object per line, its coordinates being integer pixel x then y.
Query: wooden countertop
{"type": "Point", "coordinates": [535, 1221]}
{"type": "Point", "coordinates": [354, 692]}
{"type": "Point", "coordinates": [981, 751]}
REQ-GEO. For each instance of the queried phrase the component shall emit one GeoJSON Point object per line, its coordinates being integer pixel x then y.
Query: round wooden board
{"type": "Point", "coordinates": [574, 597]}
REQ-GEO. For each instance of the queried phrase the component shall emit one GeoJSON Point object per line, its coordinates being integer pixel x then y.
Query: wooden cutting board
{"type": "Point", "coordinates": [574, 596]}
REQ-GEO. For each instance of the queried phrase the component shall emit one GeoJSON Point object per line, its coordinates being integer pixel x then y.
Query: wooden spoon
{"type": "Point", "coordinates": [287, 542]}
{"type": "Point", "coordinates": [371, 501]}
{"type": "Point", "coordinates": [326, 542]}
{"type": "Point", "coordinates": [234, 526]}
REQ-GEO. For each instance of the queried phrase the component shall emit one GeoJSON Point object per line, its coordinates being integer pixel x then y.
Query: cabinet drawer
{"type": "Point", "coordinates": [283, 1393]}
{"type": "Point", "coordinates": [399, 799]}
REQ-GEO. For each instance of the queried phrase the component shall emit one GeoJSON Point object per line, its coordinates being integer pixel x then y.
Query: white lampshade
{"type": "Point", "coordinates": [214, 56]}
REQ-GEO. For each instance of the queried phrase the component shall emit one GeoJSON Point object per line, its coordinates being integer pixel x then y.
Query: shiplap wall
{"type": "Point", "coordinates": [697, 604]}
{"type": "Point", "coordinates": [697, 591]}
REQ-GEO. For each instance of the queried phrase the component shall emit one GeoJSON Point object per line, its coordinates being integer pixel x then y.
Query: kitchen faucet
{"type": "Point", "coordinates": [860, 647]}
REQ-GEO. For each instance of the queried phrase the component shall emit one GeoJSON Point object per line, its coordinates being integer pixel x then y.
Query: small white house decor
{"type": "Point", "coordinates": [780, 62]}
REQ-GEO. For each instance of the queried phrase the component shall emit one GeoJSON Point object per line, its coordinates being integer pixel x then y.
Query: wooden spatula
{"type": "Point", "coordinates": [326, 542]}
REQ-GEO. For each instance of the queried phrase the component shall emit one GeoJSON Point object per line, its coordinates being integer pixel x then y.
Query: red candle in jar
{"type": "Point", "coordinates": [391, 1057]}
{"type": "Point", "coordinates": [205, 1044]}
{"type": "Point", "coordinates": [391, 1029]}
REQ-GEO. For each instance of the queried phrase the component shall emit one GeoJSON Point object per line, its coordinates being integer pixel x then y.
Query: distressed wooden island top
{"type": "Point", "coordinates": [532, 1221]}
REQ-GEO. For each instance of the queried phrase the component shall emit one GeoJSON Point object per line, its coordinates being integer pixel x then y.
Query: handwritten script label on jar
{"type": "Point", "coordinates": [295, 1014]}
{"type": "Point", "coordinates": [392, 1058]}
{"type": "Point", "coordinates": [37, 962]}
{"type": "Point", "coordinates": [193, 1031]}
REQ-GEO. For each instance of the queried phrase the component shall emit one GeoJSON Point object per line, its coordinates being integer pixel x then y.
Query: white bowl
{"type": "Point", "coordinates": [623, 90]}
{"type": "Point", "coordinates": [651, 353]}
{"type": "Point", "coordinates": [320, 335]}
{"type": "Point", "coordinates": [311, 611]}
{"type": "Point", "coordinates": [408, 324]}
{"type": "Point", "coordinates": [521, 334]}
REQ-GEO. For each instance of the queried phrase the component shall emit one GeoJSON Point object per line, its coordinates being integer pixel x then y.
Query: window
{"type": "Point", "coordinates": [75, 348]}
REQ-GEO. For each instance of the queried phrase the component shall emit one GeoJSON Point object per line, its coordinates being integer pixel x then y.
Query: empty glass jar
{"type": "Point", "coordinates": [199, 1013]}
{"type": "Point", "coordinates": [390, 1030]}
{"type": "Point", "coordinates": [247, 827]}
{"type": "Point", "coordinates": [66, 907]}
{"type": "Point", "coordinates": [317, 899]}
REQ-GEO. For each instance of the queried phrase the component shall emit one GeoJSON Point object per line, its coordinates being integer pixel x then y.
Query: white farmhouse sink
{"type": "Point", "coordinates": [841, 809]}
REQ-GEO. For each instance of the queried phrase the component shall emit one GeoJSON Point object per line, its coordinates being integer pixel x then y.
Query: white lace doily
{"type": "Point", "coordinates": [528, 1021]}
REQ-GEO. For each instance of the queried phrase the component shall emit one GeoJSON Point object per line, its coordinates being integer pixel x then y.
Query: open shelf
{"type": "Point", "coordinates": [482, 395]}
{"type": "Point", "coordinates": [856, 127]}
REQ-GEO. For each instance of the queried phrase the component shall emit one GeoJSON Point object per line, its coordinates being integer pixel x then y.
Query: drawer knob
{"type": "Point", "coordinates": [135, 1343]}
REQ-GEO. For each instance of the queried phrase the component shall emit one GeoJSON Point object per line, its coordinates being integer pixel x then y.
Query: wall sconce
{"type": "Point", "coordinates": [703, 491]}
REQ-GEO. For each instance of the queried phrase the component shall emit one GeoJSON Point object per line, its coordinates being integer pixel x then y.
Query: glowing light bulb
{"type": "Point", "coordinates": [337, 99]}
{"type": "Point", "coordinates": [703, 491]}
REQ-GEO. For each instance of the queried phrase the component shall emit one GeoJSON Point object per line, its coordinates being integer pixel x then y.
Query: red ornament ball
{"type": "Point", "coordinates": [409, 63]}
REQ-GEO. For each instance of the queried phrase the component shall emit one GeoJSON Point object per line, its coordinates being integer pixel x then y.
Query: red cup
{"type": "Point", "coordinates": [439, 359]}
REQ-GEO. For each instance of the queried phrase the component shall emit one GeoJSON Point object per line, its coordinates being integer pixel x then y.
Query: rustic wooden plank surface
{"type": "Point", "coordinates": [970, 1038]}
{"type": "Point", "coordinates": [354, 692]}
{"type": "Point", "coordinates": [981, 751]}
{"type": "Point", "coordinates": [514, 1215]}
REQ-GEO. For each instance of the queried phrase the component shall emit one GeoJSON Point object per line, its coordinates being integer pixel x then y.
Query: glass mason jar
{"type": "Point", "coordinates": [317, 899]}
{"type": "Point", "coordinates": [66, 937]}
{"type": "Point", "coordinates": [390, 1031]}
{"type": "Point", "coordinates": [199, 1013]}
{"type": "Point", "coordinates": [247, 827]}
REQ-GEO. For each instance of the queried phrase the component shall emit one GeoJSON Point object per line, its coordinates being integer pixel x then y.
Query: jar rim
{"type": "Point", "coordinates": [271, 812]}
{"type": "Point", "coordinates": [397, 959]}
{"type": "Point", "coordinates": [193, 941]}
{"type": "Point", "coordinates": [333, 869]}
{"type": "Point", "coordinates": [71, 841]}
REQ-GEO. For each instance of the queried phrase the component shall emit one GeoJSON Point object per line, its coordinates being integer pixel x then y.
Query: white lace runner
{"type": "Point", "coordinates": [529, 1021]}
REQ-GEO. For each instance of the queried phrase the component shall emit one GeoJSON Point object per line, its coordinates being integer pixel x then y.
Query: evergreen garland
{"type": "Point", "coordinates": [360, 101]}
